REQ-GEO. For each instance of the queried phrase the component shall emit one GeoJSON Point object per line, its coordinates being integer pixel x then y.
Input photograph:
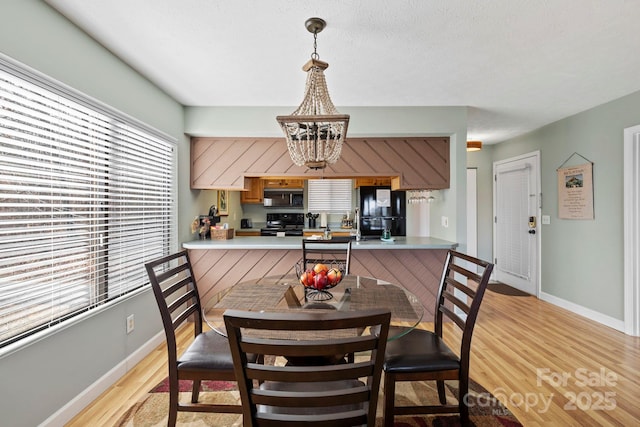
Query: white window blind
{"type": "Point", "coordinates": [512, 211]}
{"type": "Point", "coordinates": [86, 198]}
{"type": "Point", "coordinates": [330, 195]}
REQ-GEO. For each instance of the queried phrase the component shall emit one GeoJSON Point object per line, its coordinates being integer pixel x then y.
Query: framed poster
{"type": "Point", "coordinates": [223, 202]}
{"type": "Point", "coordinates": [575, 192]}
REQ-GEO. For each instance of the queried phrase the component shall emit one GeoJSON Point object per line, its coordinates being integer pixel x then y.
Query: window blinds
{"type": "Point", "coordinates": [512, 210]}
{"type": "Point", "coordinates": [330, 195]}
{"type": "Point", "coordinates": [86, 198]}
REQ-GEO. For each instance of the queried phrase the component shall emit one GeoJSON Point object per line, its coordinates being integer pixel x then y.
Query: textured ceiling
{"type": "Point", "coordinates": [518, 64]}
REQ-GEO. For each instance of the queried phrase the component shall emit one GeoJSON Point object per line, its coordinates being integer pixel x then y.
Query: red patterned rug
{"type": "Point", "coordinates": [151, 411]}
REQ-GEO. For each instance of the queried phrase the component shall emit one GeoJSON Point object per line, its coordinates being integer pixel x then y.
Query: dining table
{"type": "Point", "coordinates": [285, 293]}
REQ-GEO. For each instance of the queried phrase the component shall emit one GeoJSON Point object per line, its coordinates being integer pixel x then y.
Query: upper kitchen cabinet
{"type": "Point", "coordinates": [255, 191]}
{"type": "Point", "coordinates": [411, 163]}
{"type": "Point", "coordinates": [372, 182]}
{"type": "Point", "coordinates": [283, 183]}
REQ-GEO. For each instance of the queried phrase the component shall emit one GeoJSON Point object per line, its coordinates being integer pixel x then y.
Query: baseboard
{"type": "Point", "coordinates": [609, 321]}
{"type": "Point", "coordinates": [91, 393]}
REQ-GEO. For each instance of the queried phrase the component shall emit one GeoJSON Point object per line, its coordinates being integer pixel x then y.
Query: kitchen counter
{"type": "Point", "coordinates": [412, 262]}
{"type": "Point", "coordinates": [294, 243]}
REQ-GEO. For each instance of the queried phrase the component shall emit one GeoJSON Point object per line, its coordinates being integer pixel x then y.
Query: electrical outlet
{"type": "Point", "coordinates": [130, 323]}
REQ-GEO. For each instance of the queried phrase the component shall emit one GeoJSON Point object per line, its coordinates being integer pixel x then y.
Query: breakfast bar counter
{"type": "Point", "coordinates": [293, 243]}
{"type": "Point", "coordinates": [414, 263]}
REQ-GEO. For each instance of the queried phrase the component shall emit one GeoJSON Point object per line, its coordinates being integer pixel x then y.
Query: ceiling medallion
{"type": "Point", "coordinates": [315, 131]}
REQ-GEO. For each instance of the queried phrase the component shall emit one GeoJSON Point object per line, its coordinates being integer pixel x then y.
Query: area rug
{"type": "Point", "coordinates": [501, 288]}
{"type": "Point", "coordinates": [151, 411]}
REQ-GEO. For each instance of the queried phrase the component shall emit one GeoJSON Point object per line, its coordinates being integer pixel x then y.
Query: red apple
{"type": "Point", "coordinates": [307, 278]}
{"type": "Point", "coordinates": [334, 276]}
{"type": "Point", "coordinates": [318, 268]}
{"type": "Point", "coordinates": [303, 278]}
{"type": "Point", "coordinates": [321, 281]}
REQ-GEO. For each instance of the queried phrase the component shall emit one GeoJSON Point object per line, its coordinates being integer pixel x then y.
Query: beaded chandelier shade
{"type": "Point", "coordinates": [315, 131]}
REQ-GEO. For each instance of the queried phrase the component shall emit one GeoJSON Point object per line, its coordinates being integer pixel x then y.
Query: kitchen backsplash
{"type": "Point", "coordinates": [258, 215]}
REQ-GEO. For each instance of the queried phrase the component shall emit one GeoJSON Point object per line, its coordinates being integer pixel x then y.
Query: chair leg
{"type": "Point", "coordinates": [463, 400]}
{"type": "Point", "coordinates": [173, 406]}
{"type": "Point", "coordinates": [389, 399]}
{"type": "Point", "coordinates": [195, 391]}
{"type": "Point", "coordinates": [441, 393]}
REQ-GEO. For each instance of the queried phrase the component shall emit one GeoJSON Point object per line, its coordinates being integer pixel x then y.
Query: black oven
{"type": "Point", "coordinates": [291, 224]}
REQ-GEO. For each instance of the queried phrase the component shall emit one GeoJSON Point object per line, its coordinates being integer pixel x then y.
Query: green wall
{"type": "Point", "coordinates": [43, 376]}
{"type": "Point", "coordinates": [582, 260]}
{"type": "Point", "coordinates": [482, 162]}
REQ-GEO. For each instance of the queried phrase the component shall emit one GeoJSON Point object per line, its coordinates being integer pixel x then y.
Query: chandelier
{"type": "Point", "coordinates": [315, 131]}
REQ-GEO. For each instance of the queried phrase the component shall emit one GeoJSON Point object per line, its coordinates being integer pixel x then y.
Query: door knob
{"type": "Point", "coordinates": [532, 231]}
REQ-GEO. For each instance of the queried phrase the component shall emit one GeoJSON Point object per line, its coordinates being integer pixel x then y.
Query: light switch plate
{"type": "Point", "coordinates": [546, 219]}
{"type": "Point", "coordinates": [445, 221]}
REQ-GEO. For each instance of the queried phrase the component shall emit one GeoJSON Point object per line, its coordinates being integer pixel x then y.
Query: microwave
{"type": "Point", "coordinates": [283, 199]}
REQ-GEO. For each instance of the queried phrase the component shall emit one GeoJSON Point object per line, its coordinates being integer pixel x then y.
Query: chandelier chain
{"type": "Point", "coordinates": [315, 55]}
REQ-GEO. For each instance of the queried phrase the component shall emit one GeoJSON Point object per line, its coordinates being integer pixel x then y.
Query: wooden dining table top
{"type": "Point", "coordinates": [286, 294]}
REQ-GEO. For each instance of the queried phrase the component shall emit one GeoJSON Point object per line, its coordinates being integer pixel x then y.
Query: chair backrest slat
{"type": "Point", "coordinates": [176, 293]}
{"type": "Point", "coordinates": [314, 387]}
{"type": "Point", "coordinates": [336, 250]}
{"type": "Point", "coordinates": [457, 302]}
{"type": "Point", "coordinates": [460, 294]}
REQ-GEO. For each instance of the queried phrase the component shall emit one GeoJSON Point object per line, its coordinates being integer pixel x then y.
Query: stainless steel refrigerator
{"type": "Point", "coordinates": [380, 209]}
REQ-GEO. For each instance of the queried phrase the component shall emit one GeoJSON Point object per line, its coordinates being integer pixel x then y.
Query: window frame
{"type": "Point", "coordinates": [166, 234]}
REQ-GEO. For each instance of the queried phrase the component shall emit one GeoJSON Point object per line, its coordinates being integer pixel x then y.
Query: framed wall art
{"type": "Point", "coordinates": [575, 191]}
{"type": "Point", "coordinates": [223, 202]}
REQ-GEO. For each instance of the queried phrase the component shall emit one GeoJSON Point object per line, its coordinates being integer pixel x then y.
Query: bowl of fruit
{"type": "Point", "coordinates": [317, 280]}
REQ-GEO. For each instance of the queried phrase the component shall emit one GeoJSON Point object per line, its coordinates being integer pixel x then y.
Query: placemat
{"type": "Point", "coordinates": [253, 297]}
{"type": "Point", "coordinates": [383, 296]}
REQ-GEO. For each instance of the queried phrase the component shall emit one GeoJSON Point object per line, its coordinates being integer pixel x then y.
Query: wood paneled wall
{"type": "Point", "coordinates": [416, 162]}
{"type": "Point", "coordinates": [417, 270]}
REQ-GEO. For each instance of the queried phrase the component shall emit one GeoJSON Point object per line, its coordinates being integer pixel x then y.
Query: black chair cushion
{"type": "Point", "coordinates": [419, 351]}
{"type": "Point", "coordinates": [209, 350]}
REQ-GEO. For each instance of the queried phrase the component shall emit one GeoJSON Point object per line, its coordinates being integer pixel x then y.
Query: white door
{"type": "Point", "coordinates": [516, 209]}
{"type": "Point", "coordinates": [632, 230]}
{"type": "Point", "coordinates": [472, 212]}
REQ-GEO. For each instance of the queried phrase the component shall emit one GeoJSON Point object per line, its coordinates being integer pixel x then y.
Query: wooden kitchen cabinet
{"type": "Point", "coordinates": [372, 182]}
{"type": "Point", "coordinates": [283, 183]}
{"type": "Point", "coordinates": [255, 193]}
{"type": "Point", "coordinates": [247, 233]}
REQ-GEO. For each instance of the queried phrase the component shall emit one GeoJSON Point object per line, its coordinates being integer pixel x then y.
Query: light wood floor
{"type": "Point", "coordinates": [547, 365]}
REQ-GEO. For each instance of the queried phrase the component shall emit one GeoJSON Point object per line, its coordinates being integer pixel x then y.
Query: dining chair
{"type": "Point", "coordinates": [336, 250]}
{"type": "Point", "coordinates": [308, 393]}
{"type": "Point", "coordinates": [208, 356]}
{"type": "Point", "coordinates": [422, 355]}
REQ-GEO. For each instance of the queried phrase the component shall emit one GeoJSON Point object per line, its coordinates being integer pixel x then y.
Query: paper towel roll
{"type": "Point", "coordinates": [323, 219]}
